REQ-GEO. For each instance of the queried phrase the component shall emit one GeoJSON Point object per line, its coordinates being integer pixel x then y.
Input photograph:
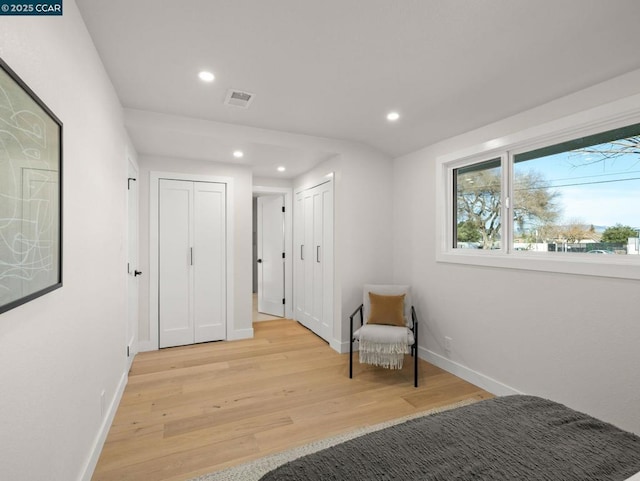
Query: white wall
{"type": "Point", "coordinates": [242, 233]}
{"type": "Point", "coordinates": [573, 339]}
{"type": "Point", "coordinates": [60, 351]}
{"type": "Point", "coordinates": [272, 182]}
{"type": "Point", "coordinates": [362, 233]}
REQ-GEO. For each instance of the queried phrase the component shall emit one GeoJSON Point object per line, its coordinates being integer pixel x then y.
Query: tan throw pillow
{"type": "Point", "coordinates": [386, 310]}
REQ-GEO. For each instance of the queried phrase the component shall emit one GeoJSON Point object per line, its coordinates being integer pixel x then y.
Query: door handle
{"type": "Point", "coordinates": [301, 252]}
{"type": "Point", "coordinates": [259, 261]}
{"type": "Point", "coordinates": [137, 273]}
{"type": "Point", "coordinates": [318, 254]}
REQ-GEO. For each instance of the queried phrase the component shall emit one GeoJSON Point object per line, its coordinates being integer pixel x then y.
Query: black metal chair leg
{"type": "Point", "coordinates": [350, 358]}
{"type": "Point", "coordinates": [415, 347]}
{"type": "Point", "coordinates": [415, 370]}
{"type": "Point", "coordinates": [351, 338]}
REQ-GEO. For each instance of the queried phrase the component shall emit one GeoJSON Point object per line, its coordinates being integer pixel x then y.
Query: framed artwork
{"type": "Point", "coordinates": [30, 194]}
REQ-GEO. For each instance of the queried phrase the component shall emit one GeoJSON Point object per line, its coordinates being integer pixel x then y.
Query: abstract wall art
{"type": "Point", "coordinates": [30, 194]}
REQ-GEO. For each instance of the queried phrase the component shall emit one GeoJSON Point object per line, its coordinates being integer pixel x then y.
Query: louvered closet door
{"type": "Point", "coordinates": [192, 264]}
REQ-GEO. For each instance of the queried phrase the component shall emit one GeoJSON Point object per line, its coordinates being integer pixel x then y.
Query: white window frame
{"type": "Point", "coordinates": [610, 116]}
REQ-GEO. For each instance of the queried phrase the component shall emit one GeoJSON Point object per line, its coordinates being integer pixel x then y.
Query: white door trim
{"type": "Point", "coordinates": [154, 178]}
{"type": "Point", "coordinates": [287, 192]}
{"type": "Point", "coordinates": [133, 281]}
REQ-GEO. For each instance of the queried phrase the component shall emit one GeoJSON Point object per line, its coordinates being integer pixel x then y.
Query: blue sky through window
{"type": "Point", "coordinates": [593, 189]}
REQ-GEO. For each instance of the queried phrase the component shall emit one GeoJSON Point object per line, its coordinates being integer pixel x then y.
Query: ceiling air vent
{"type": "Point", "coordinates": [238, 98]}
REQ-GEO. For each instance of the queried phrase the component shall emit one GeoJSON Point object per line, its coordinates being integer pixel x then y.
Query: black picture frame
{"type": "Point", "coordinates": [30, 194]}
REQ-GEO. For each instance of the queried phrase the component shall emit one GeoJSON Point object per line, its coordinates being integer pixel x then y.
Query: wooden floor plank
{"type": "Point", "coordinates": [196, 409]}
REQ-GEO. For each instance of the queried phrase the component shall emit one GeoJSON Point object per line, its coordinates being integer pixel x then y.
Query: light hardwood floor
{"type": "Point", "coordinates": [259, 316]}
{"type": "Point", "coordinates": [192, 410]}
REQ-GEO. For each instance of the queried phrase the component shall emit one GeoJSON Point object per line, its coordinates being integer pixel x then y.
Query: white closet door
{"type": "Point", "coordinates": [314, 261]}
{"type": "Point", "coordinates": [326, 261]}
{"type": "Point", "coordinates": [299, 264]}
{"type": "Point", "coordinates": [209, 267]}
{"type": "Point", "coordinates": [175, 279]}
{"type": "Point", "coordinates": [192, 262]}
{"type": "Point", "coordinates": [307, 256]}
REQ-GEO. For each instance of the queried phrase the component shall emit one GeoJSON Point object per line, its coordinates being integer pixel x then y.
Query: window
{"type": "Point", "coordinates": [478, 200]}
{"type": "Point", "coordinates": [580, 196]}
{"type": "Point", "coordinates": [537, 204]}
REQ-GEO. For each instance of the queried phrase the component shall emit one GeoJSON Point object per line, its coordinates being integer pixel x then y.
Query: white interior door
{"type": "Point", "coordinates": [314, 260]}
{"type": "Point", "coordinates": [271, 255]}
{"type": "Point", "coordinates": [192, 262]}
{"type": "Point", "coordinates": [132, 263]}
{"type": "Point", "coordinates": [307, 258]}
{"type": "Point", "coordinates": [325, 261]}
{"type": "Point", "coordinates": [208, 262]}
{"type": "Point", "coordinates": [174, 270]}
{"type": "Point", "coordinates": [298, 255]}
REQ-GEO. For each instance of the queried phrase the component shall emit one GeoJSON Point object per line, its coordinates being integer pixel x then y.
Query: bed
{"type": "Point", "coordinates": [501, 439]}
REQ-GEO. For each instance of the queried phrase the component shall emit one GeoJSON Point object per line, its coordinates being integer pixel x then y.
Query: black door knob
{"type": "Point", "coordinates": [259, 261]}
{"type": "Point", "coordinates": [137, 273]}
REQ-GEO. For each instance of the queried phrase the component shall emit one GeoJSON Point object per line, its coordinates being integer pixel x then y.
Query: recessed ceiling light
{"type": "Point", "coordinates": [281, 169]}
{"type": "Point", "coordinates": [393, 116]}
{"type": "Point", "coordinates": [206, 76]}
{"type": "Point", "coordinates": [238, 154]}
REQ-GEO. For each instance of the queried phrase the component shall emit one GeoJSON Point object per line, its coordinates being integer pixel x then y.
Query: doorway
{"type": "Point", "coordinates": [272, 266]}
{"type": "Point", "coordinates": [270, 254]}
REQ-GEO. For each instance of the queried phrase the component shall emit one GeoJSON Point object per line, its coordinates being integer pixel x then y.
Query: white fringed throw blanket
{"type": "Point", "coordinates": [383, 345]}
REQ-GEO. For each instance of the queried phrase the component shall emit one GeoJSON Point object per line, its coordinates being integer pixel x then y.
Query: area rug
{"type": "Point", "coordinates": [254, 470]}
{"type": "Point", "coordinates": [502, 439]}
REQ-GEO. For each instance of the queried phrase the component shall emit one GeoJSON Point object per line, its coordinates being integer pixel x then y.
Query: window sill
{"type": "Point", "coordinates": [623, 268]}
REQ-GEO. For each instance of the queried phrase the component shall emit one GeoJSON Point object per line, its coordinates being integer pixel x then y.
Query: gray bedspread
{"type": "Point", "coordinates": [502, 439]}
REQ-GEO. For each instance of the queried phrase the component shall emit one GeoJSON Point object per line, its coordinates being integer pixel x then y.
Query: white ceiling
{"type": "Point", "coordinates": [334, 68]}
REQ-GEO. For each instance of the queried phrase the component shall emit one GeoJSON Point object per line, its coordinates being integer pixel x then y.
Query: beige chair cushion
{"type": "Point", "coordinates": [388, 310]}
{"type": "Point", "coordinates": [387, 290]}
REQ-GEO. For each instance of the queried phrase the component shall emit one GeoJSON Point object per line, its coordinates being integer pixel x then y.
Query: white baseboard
{"type": "Point", "coordinates": [96, 449]}
{"type": "Point", "coordinates": [240, 334]}
{"type": "Point", "coordinates": [132, 356]}
{"type": "Point", "coordinates": [146, 346]}
{"type": "Point", "coordinates": [341, 347]}
{"type": "Point", "coordinates": [485, 382]}
{"type": "Point", "coordinates": [478, 379]}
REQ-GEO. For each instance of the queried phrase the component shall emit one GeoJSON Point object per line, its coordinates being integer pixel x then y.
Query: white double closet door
{"type": "Point", "coordinates": [314, 259]}
{"type": "Point", "coordinates": [192, 262]}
